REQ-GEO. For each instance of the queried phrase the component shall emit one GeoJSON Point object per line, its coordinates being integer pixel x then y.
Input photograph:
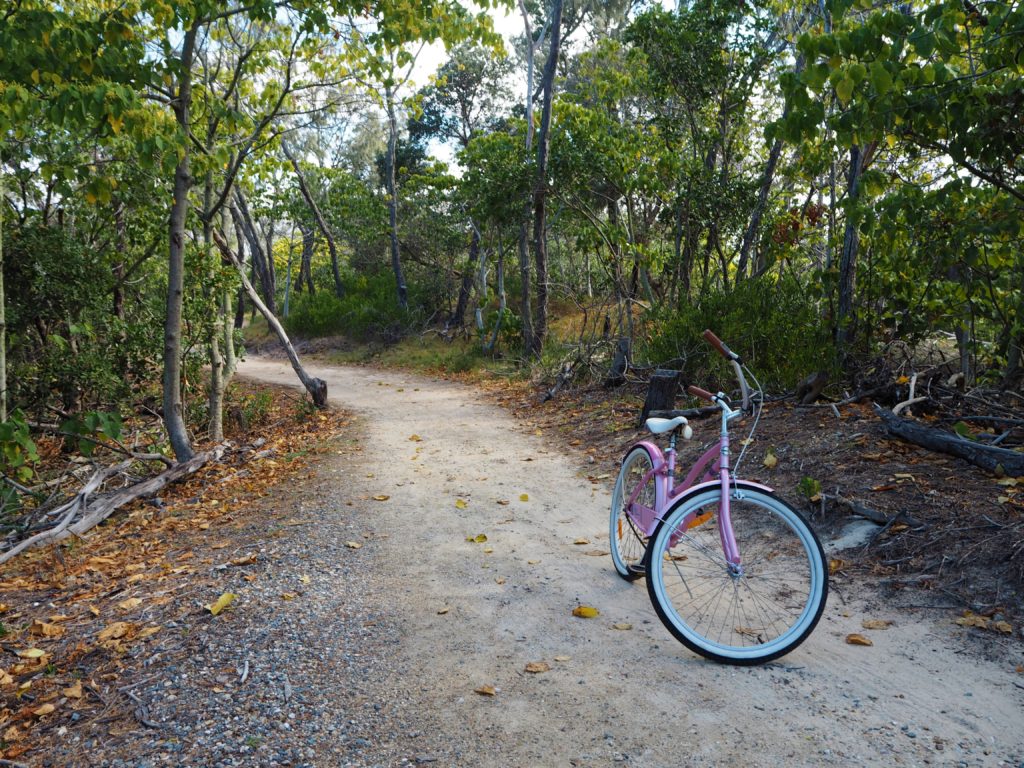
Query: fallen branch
{"type": "Point", "coordinates": [860, 510]}
{"type": "Point", "coordinates": [994, 459]}
{"type": "Point", "coordinates": [94, 513]}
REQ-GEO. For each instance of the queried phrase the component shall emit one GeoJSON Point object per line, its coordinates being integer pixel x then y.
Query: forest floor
{"type": "Point", "coordinates": [367, 629]}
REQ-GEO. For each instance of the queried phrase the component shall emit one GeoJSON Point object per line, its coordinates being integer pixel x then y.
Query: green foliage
{"type": "Point", "coordinates": [87, 430]}
{"type": "Point", "coordinates": [368, 310]}
{"type": "Point", "coordinates": [809, 487]}
{"type": "Point", "coordinates": [17, 450]}
{"type": "Point", "coordinates": [773, 323]}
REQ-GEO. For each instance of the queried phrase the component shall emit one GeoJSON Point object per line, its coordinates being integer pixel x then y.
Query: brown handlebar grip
{"type": "Point", "coordinates": [698, 392]}
{"type": "Point", "coordinates": [718, 344]}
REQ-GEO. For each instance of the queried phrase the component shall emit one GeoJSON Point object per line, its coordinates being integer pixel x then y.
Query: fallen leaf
{"type": "Point", "coordinates": [289, 595]}
{"type": "Point", "coordinates": [875, 623]}
{"type": "Point", "coordinates": [94, 610]}
{"type": "Point", "coordinates": [130, 604]}
{"type": "Point", "coordinates": [623, 625]}
{"type": "Point", "coordinates": [305, 579]}
{"type": "Point", "coordinates": [524, 497]}
{"type": "Point", "coordinates": [75, 691]}
{"type": "Point", "coordinates": [563, 658]}
{"type": "Point", "coordinates": [415, 438]}
{"type": "Point", "coordinates": [43, 629]}
{"type": "Point", "coordinates": [460, 504]}
{"type": "Point", "coordinates": [1008, 482]}
{"type": "Point", "coordinates": [536, 667]}
{"type": "Point", "coordinates": [381, 497]}
{"type": "Point", "coordinates": [582, 541]}
{"type": "Point", "coordinates": [500, 580]}
{"type": "Point", "coordinates": [480, 538]}
{"type": "Point", "coordinates": [43, 710]}
{"type": "Point", "coordinates": [770, 459]}
{"type": "Point", "coordinates": [31, 653]}
{"type": "Point", "coordinates": [503, 502]}
{"type": "Point", "coordinates": [486, 690]}
{"type": "Point", "coordinates": [248, 559]}
{"type": "Point", "coordinates": [1003, 626]}
{"type": "Point", "coordinates": [488, 550]}
{"type": "Point", "coordinates": [596, 552]}
{"type": "Point", "coordinates": [147, 632]}
{"type": "Point", "coordinates": [585, 612]}
{"type": "Point", "coordinates": [222, 602]}
{"type": "Point", "coordinates": [443, 611]}
{"type": "Point", "coordinates": [532, 562]}
{"type": "Point", "coordinates": [835, 565]}
{"type": "Point", "coordinates": [353, 545]}
{"type": "Point", "coordinates": [857, 639]}
{"type": "Point", "coordinates": [13, 734]}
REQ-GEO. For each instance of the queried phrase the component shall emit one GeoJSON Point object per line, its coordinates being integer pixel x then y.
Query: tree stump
{"type": "Point", "coordinates": [661, 392]}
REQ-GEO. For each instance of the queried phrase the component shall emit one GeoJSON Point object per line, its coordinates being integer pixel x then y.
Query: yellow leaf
{"type": "Point", "coordinates": [415, 438]}
{"type": "Point", "coordinates": [770, 460]}
{"type": "Point", "coordinates": [13, 734]}
{"type": "Point", "coordinates": [622, 625]}
{"type": "Point", "coordinates": [1003, 626]}
{"type": "Point", "coordinates": [480, 538]}
{"type": "Point", "coordinates": [43, 710]}
{"type": "Point", "coordinates": [289, 595]}
{"type": "Point", "coordinates": [524, 497]}
{"type": "Point", "coordinates": [857, 639]}
{"type": "Point", "coordinates": [94, 610]}
{"type": "Point", "coordinates": [536, 667]}
{"type": "Point", "coordinates": [532, 562]}
{"type": "Point", "coordinates": [222, 602]}
{"type": "Point", "coordinates": [582, 541]}
{"type": "Point", "coordinates": [488, 550]}
{"type": "Point", "coordinates": [875, 623]}
{"type": "Point", "coordinates": [486, 690]}
{"type": "Point", "coordinates": [115, 123]}
{"type": "Point", "coordinates": [381, 497]}
{"type": "Point", "coordinates": [75, 691]}
{"type": "Point", "coordinates": [903, 380]}
{"type": "Point", "coordinates": [353, 544]}
{"type": "Point", "coordinates": [1010, 482]}
{"type": "Point", "coordinates": [31, 653]}
{"type": "Point", "coordinates": [585, 612]}
{"type": "Point", "coordinates": [890, 140]}
{"type": "Point", "coordinates": [43, 629]}
{"type": "Point", "coordinates": [305, 579]}
{"type": "Point", "coordinates": [147, 632]}
{"type": "Point", "coordinates": [460, 504]}
{"type": "Point", "coordinates": [35, 76]}
{"type": "Point", "coordinates": [130, 604]}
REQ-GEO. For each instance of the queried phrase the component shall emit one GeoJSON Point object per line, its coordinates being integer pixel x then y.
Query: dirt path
{"type": "Point", "coordinates": [475, 614]}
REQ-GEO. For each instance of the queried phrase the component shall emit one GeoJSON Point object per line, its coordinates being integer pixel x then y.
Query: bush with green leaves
{"type": "Point", "coordinates": [773, 323]}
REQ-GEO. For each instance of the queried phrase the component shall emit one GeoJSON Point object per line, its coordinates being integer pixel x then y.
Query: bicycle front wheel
{"type": "Point", "coordinates": [628, 542]}
{"type": "Point", "coordinates": [746, 614]}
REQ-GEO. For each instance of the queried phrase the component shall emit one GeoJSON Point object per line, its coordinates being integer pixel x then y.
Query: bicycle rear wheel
{"type": "Point", "coordinates": [628, 542]}
{"type": "Point", "coordinates": [747, 615]}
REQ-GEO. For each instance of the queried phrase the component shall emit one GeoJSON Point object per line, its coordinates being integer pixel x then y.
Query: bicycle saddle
{"type": "Point", "coordinates": [660, 426]}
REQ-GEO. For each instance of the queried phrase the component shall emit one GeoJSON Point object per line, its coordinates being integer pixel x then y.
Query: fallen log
{"type": "Point", "coordinates": [861, 510]}
{"type": "Point", "coordinates": [999, 461]}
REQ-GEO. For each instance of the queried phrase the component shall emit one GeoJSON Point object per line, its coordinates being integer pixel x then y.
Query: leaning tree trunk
{"type": "Point", "coordinates": [540, 188]}
{"type": "Point", "coordinates": [261, 261]}
{"type": "Point", "coordinates": [339, 290]}
{"type": "Point", "coordinates": [317, 388]}
{"type": "Point", "coordinates": [174, 420]}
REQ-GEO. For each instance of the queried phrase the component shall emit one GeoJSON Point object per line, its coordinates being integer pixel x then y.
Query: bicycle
{"type": "Point", "coordinates": [733, 571]}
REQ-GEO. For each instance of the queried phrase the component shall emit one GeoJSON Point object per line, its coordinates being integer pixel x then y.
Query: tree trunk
{"type": "Point", "coordinates": [459, 316]}
{"type": "Point", "coordinates": [174, 420]}
{"type": "Point", "coordinates": [317, 388]}
{"type": "Point", "coordinates": [218, 380]}
{"type": "Point", "coordinates": [260, 260]}
{"type": "Point", "coordinates": [306, 264]}
{"type": "Point", "coordinates": [844, 330]}
{"type": "Point", "coordinates": [540, 188]}
{"type": "Point", "coordinates": [339, 290]}
{"type": "Point", "coordinates": [3, 300]}
{"type": "Point", "coordinates": [392, 189]}
{"type": "Point", "coordinates": [240, 244]}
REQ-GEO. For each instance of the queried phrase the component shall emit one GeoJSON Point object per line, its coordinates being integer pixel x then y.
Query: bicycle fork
{"type": "Point", "coordinates": [725, 531]}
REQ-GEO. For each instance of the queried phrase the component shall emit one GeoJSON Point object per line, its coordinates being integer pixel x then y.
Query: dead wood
{"type": "Point", "coordinates": [661, 393]}
{"type": "Point", "coordinates": [994, 459]}
{"type": "Point", "coordinates": [861, 510]}
{"type": "Point", "coordinates": [809, 390]}
{"type": "Point", "coordinates": [90, 513]}
{"type": "Point", "coordinates": [317, 388]}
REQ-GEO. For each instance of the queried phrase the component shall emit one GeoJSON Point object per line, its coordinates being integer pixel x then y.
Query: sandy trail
{"type": "Point", "coordinates": [473, 617]}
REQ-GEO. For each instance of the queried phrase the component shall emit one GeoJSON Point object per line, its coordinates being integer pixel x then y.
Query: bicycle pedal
{"type": "Point", "coordinates": [637, 570]}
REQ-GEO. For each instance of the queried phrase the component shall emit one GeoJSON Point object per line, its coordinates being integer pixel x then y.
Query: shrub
{"type": "Point", "coordinates": [774, 324]}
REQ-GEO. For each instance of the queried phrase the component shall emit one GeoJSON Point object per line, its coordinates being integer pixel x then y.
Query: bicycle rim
{"type": "Point", "coordinates": [627, 542]}
{"type": "Point", "coordinates": [760, 613]}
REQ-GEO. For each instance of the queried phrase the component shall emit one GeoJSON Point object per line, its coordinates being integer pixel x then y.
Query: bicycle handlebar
{"type": "Point", "coordinates": [733, 358]}
{"type": "Point", "coordinates": [720, 345]}
{"type": "Point", "coordinates": [701, 393]}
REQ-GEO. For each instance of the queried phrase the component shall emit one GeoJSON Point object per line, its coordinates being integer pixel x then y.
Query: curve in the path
{"type": "Point", "coordinates": [475, 614]}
